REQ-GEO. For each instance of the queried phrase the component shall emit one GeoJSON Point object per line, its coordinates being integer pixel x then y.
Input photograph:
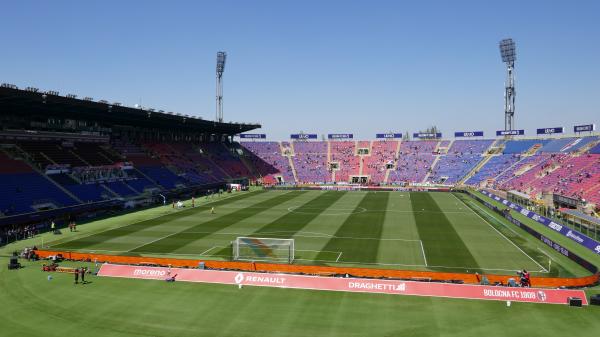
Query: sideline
{"type": "Point", "coordinates": [544, 270]}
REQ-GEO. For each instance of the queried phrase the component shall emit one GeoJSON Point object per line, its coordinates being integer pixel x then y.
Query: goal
{"type": "Point", "coordinates": [263, 249]}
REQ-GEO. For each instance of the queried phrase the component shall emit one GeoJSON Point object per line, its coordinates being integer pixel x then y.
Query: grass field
{"type": "Point", "coordinates": [417, 230]}
{"type": "Point", "coordinates": [111, 307]}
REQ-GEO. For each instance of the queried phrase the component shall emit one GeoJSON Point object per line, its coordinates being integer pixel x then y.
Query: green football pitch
{"type": "Point", "coordinates": [416, 230]}
{"type": "Point", "coordinates": [455, 233]}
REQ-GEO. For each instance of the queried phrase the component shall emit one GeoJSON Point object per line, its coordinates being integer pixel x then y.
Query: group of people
{"type": "Point", "coordinates": [14, 233]}
{"type": "Point", "coordinates": [525, 278]}
{"type": "Point", "coordinates": [80, 273]}
{"type": "Point", "coordinates": [180, 204]}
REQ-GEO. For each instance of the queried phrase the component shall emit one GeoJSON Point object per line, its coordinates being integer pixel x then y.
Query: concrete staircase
{"type": "Point", "coordinates": [289, 157]}
{"type": "Point", "coordinates": [475, 169]}
{"type": "Point", "coordinates": [329, 160]}
{"type": "Point", "coordinates": [533, 149]}
{"type": "Point", "coordinates": [432, 166]}
{"type": "Point", "coordinates": [396, 154]}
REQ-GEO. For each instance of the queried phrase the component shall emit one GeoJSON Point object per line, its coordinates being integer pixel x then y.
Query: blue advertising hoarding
{"type": "Point", "coordinates": [510, 132]}
{"type": "Point", "coordinates": [469, 134]}
{"type": "Point", "coordinates": [550, 131]}
{"type": "Point", "coordinates": [584, 128]}
{"type": "Point", "coordinates": [388, 135]}
{"type": "Point", "coordinates": [253, 136]}
{"type": "Point", "coordinates": [340, 136]}
{"type": "Point", "coordinates": [572, 234]}
{"type": "Point", "coordinates": [303, 136]}
{"type": "Point", "coordinates": [427, 135]}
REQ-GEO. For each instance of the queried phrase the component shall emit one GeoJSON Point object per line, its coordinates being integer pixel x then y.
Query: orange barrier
{"type": "Point", "coordinates": [547, 282]}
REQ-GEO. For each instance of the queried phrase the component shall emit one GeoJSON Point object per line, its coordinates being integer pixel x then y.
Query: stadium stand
{"type": "Point", "coordinates": [595, 149]}
{"type": "Point", "coordinates": [267, 158]}
{"type": "Point", "coordinates": [344, 153]}
{"type": "Point", "coordinates": [414, 161]}
{"type": "Point", "coordinates": [522, 146]}
{"type": "Point", "coordinates": [50, 169]}
{"type": "Point", "coordinates": [22, 188]}
{"type": "Point", "coordinates": [495, 166]}
{"type": "Point", "coordinates": [382, 154]}
{"type": "Point", "coordinates": [557, 145]}
{"type": "Point", "coordinates": [310, 162]}
{"type": "Point", "coordinates": [461, 158]}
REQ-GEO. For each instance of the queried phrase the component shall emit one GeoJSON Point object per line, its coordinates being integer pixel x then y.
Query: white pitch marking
{"type": "Point", "coordinates": [507, 239]}
{"type": "Point", "coordinates": [146, 219]}
{"type": "Point", "coordinates": [209, 249]}
{"type": "Point", "coordinates": [151, 242]}
{"type": "Point", "coordinates": [543, 252]}
{"type": "Point", "coordinates": [423, 251]}
{"type": "Point", "coordinates": [486, 212]}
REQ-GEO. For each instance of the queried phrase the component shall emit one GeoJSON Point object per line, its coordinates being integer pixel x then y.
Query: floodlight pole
{"type": "Point", "coordinates": [508, 54]}
{"type": "Point", "coordinates": [221, 56]}
{"type": "Point", "coordinates": [509, 98]}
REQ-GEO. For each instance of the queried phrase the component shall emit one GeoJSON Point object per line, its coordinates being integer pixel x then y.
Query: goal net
{"type": "Point", "coordinates": [263, 249]}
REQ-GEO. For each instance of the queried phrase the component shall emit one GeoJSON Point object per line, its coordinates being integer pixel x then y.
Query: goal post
{"type": "Point", "coordinates": [263, 249]}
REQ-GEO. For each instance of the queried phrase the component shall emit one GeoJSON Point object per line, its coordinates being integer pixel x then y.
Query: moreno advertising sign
{"type": "Point", "coordinates": [468, 134]}
{"type": "Point", "coordinates": [392, 287]}
{"type": "Point", "coordinates": [510, 132]}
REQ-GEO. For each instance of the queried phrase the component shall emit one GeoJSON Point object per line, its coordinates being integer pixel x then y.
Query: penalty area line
{"type": "Point", "coordinates": [423, 251]}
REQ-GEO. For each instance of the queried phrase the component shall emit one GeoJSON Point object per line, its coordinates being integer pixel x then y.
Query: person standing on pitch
{"type": "Point", "coordinates": [82, 274]}
{"type": "Point", "coordinates": [76, 276]}
{"type": "Point", "coordinates": [193, 202]}
{"type": "Point", "coordinates": [212, 210]}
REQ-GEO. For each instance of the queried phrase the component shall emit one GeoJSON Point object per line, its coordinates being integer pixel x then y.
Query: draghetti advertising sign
{"type": "Point", "coordinates": [393, 287]}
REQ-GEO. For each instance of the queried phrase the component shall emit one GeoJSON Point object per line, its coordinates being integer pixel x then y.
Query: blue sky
{"type": "Point", "coordinates": [359, 67]}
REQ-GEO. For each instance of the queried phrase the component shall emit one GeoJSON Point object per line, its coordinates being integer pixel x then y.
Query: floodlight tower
{"type": "Point", "coordinates": [221, 56]}
{"type": "Point", "coordinates": [509, 55]}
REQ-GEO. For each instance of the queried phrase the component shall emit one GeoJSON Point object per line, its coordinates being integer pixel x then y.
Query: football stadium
{"type": "Point", "coordinates": [118, 219]}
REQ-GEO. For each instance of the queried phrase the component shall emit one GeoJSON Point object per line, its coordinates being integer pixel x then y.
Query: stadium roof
{"type": "Point", "coordinates": [40, 105]}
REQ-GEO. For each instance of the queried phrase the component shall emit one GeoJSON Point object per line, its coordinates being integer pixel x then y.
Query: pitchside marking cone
{"type": "Point", "coordinates": [240, 286]}
{"type": "Point", "coordinates": [508, 303]}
